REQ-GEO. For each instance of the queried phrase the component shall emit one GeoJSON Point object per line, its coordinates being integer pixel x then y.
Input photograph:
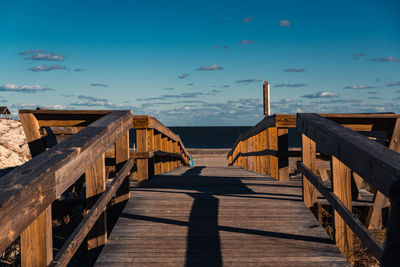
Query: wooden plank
{"type": "Point", "coordinates": [263, 146]}
{"type": "Point", "coordinates": [283, 154]}
{"type": "Point", "coordinates": [37, 242]}
{"type": "Point", "coordinates": [285, 120]}
{"type": "Point", "coordinates": [256, 147]}
{"type": "Point", "coordinates": [95, 178]}
{"type": "Point", "coordinates": [164, 147]}
{"type": "Point", "coordinates": [250, 160]}
{"type": "Point", "coordinates": [372, 161]}
{"type": "Point", "coordinates": [273, 145]}
{"type": "Point", "coordinates": [72, 244]}
{"type": "Point", "coordinates": [142, 146]}
{"type": "Point", "coordinates": [32, 134]}
{"type": "Point", "coordinates": [341, 176]}
{"type": "Point", "coordinates": [121, 157]}
{"type": "Point", "coordinates": [352, 221]}
{"type": "Point", "coordinates": [157, 146]}
{"type": "Point", "coordinates": [309, 160]}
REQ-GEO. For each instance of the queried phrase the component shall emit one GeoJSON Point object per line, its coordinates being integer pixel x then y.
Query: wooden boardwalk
{"type": "Point", "coordinates": [214, 216]}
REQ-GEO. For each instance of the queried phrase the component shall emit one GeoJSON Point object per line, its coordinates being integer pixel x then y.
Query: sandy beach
{"type": "Point", "coordinates": [209, 157]}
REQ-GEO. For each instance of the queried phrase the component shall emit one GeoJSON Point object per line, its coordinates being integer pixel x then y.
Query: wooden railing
{"type": "Point", "coordinates": [68, 146]}
{"type": "Point", "coordinates": [352, 154]}
{"type": "Point", "coordinates": [264, 147]}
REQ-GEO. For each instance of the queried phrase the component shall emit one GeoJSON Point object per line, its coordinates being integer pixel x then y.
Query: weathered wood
{"type": "Point", "coordinates": [309, 160]}
{"type": "Point", "coordinates": [250, 160]}
{"type": "Point", "coordinates": [352, 221]}
{"type": "Point", "coordinates": [273, 145]}
{"type": "Point", "coordinates": [263, 146]}
{"type": "Point", "coordinates": [368, 158]}
{"type": "Point", "coordinates": [164, 147]}
{"type": "Point", "coordinates": [157, 146]}
{"type": "Point", "coordinates": [341, 176]}
{"type": "Point", "coordinates": [32, 134]}
{"type": "Point", "coordinates": [95, 178]}
{"type": "Point", "coordinates": [121, 157]}
{"type": "Point", "coordinates": [283, 154]}
{"type": "Point", "coordinates": [64, 163]}
{"type": "Point", "coordinates": [266, 94]}
{"type": "Point", "coordinates": [142, 146]}
{"type": "Point", "coordinates": [37, 242]}
{"type": "Point", "coordinates": [218, 216]}
{"type": "Point", "coordinates": [72, 244]}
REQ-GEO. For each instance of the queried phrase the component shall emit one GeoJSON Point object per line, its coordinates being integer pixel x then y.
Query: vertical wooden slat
{"type": "Point", "coordinates": [267, 109]}
{"type": "Point", "coordinates": [268, 158]}
{"type": "Point", "coordinates": [256, 148]}
{"type": "Point", "coordinates": [273, 145]}
{"type": "Point", "coordinates": [283, 154]}
{"type": "Point", "coordinates": [32, 134]}
{"type": "Point", "coordinates": [121, 156]}
{"type": "Point", "coordinates": [95, 186]}
{"type": "Point", "coordinates": [263, 158]}
{"type": "Point", "coordinates": [157, 146]}
{"type": "Point", "coordinates": [309, 160]}
{"type": "Point", "coordinates": [150, 146]}
{"type": "Point", "coordinates": [142, 146]}
{"type": "Point", "coordinates": [250, 158]}
{"type": "Point", "coordinates": [164, 147]}
{"type": "Point", "coordinates": [37, 242]}
{"type": "Point", "coordinates": [341, 176]}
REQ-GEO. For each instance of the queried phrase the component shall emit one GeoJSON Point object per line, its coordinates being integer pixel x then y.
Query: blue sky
{"type": "Point", "coordinates": [201, 62]}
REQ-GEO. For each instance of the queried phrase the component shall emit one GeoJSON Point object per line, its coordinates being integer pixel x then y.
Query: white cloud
{"type": "Point", "coordinates": [50, 57]}
{"type": "Point", "coordinates": [359, 87]}
{"type": "Point", "coordinates": [247, 81]}
{"type": "Point", "coordinates": [245, 42]}
{"type": "Point", "coordinates": [99, 84]}
{"type": "Point", "coordinates": [10, 87]}
{"type": "Point", "coordinates": [183, 76]}
{"type": "Point", "coordinates": [47, 68]}
{"type": "Point", "coordinates": [321, 94]}
{"type": "Point", "coordinates": [385, 59]}
{"type": "Point", "coordinates": [211, 67]}
{"type": "Point", "coordinates": [284, 23]}
{"type": "Point", "coordinates": [294, 70]}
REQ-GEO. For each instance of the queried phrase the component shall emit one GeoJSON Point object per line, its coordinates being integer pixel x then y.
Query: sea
{"type": "Point", "coordinates": [216, 136]}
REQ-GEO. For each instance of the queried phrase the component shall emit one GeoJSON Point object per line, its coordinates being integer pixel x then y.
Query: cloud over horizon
{"type": "Point", "coordinates": [245, 42]}
{"type": "Point", "coordinates": [247, 81]}
{"type": "Point", "coordinates": [393, 84]}
{"type": "Point", "coordinates": [40, 68]}
{"type": "Point", "coordinates": [359, 87]}
{"type": "Point", "coordinates": [321, 94]}
{"type": "Point", "coordinates": [10, 87]}
{"type": "Point", "coordinates": [183, 76]}
{"type": "Point", "coordinates": [385, 59]}
{"type": "Point", "coordinates": [48, 57]}
{"type": "Point", "coordinates": [291, 85]}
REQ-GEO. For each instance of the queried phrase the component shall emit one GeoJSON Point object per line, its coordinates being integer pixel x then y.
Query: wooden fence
{"type": "Point", "coordinates": [67, 146]}
{"type": "Point", "coordinates": [264, 149]}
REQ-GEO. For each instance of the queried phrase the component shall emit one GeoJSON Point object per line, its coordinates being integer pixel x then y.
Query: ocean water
{"type": "Point", "coordinates": [216, 137]}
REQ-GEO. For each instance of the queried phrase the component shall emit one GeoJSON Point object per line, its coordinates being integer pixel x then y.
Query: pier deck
{"type": "Point", "coordinates": [218, 216]}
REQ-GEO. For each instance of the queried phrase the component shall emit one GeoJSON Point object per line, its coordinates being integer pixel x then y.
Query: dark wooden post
{"type": "Point", "coordinates": [283, 154]}
{"type": "Point", "coordinates": [164, 147]}
{"type": "Point", "coordinates": [342, 189]}
{"type": "Point", "coordinates": [157, 146]}
{"type": "Point", "coordinates": [309, 160]}
{"type": "Point", "coordinates": [273, 145]}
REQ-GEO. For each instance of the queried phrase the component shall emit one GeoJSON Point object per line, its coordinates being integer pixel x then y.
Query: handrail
{"type": "Point", "coordinates": [65, 145]}
{"type": "Point", "coordinates": [350, 151]}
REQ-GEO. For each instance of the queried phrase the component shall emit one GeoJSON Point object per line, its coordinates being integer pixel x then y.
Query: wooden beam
{"type": "Point", "coordinates": [309, 160]}
{"type": "Point", "coordinates": [273, 145]}
{"type": "Point", "coordinates": [121, 157]}
{"type": "Point", "coordinates": [355, 224]}
{"type": "Point", "coordinates": [372, 161]}
{"type": "Point", "coordinates": [142, 146]}
{"type": "Point", "coordinates": [32, 133]}
{"type": "Point", "coordinates": [341, 176]}
{"type": "Point", "coordinates": [37, 241]}
{"type": "Point", "coordinates": [95, 186]}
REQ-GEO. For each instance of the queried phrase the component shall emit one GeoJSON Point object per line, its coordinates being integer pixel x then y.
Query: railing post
{"type": "Point", "coordinates": [342, 189]}
{"type": "Point", "coordinates": [157, 160]}
{"type": "Point", "coordinates": [95, 185]}
{"type": "Point", "coordinates": [121, 156]}
{"type": "Point", "coordinates": [32, 134]}
{"type": "Point", "coordinates": [256, 147]}
{"type": "Point", "coordinates": [263, 158]}
{"type": "Point", "coordinates": [309, 160]}
{"type": "Point", "coordinates": [283, 154]}
{"type": "Point", "coordinates": [150, 146]}
{"type": "Point", "coordinates": [142, 146]}
{"type": "Point", "coordinates": [273, 145]}
{"type": "Point", "coordinates": [37, 241]}
{"type": "Point", "coordinates": [164, 147]}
